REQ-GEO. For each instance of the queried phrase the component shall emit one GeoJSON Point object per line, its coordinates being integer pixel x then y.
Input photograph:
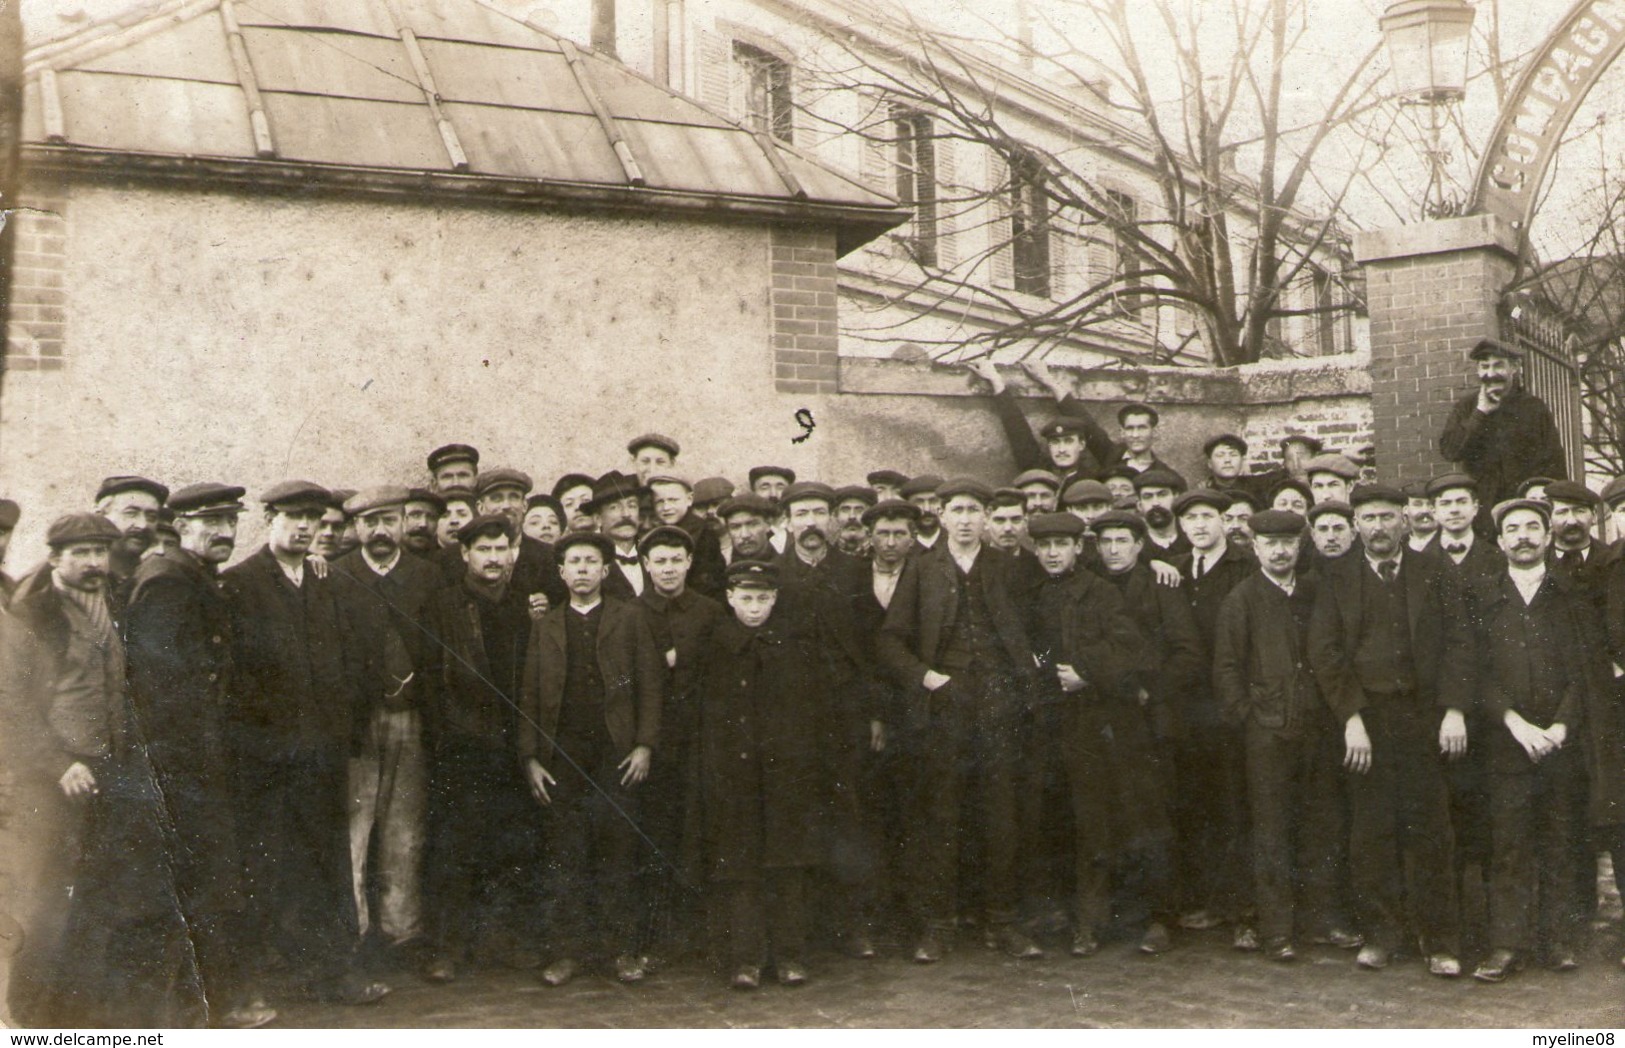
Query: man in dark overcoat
{"type": "Point", "coordinates": [1501, 434]}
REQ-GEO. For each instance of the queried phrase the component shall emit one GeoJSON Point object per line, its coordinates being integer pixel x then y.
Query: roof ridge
{"type": "Point", "coordinates": [113, 32]}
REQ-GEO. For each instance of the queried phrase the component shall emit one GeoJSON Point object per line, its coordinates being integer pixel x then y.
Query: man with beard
{"type": "Point", "coordinates": [887, 483]}
{"type": "Point", "coordinates": [132, 504]}
{"type": "Point", "coordinates": [82, 837]}
{"type": "Point", "coordinates": [1330, 477]}
{"type": "Point", "coordinates": [673, 502]}
{"type": "Point", "coordinates": [1243, 504]}
{"type": "Point", "coordinates": [574, 490]}
{"type": "Point", "coordinates": [1387, 642]}
{"type": "Point", "coordinates": [482, 839]}
{"type": "Point", "coordinates": [293, 725]}
{"type": "Point", "coordinates": [954, 639]}
{"type": "Point", "coordinates": [588, 726]}
{"type": "Point", "coordinates": [1331, 529]}
{"type": "Point", "coordinates": [1502, 433]}
{"type": "Point", "coordinates": [420, 522]}
{"type": "Point", "coordinates": [1155, 491]}
{"type": "Point", "coordinates": [851, 503]}
{"type": "Point", "coordinates": [503, 491]}
{"type": "Point", "coordinates": [1041, 489]}
{"type": "Point", "coordinates": [1531, 668]}
{"type": "Point", "coordinates": [681, 621]}
{"type": "Point", "coordinates": [921, 492]}
{"type": "Point", "coordinates": [1421, 526]}
{"type": "Point", "coordinates": [616, 506]}
{"type": "Point", "coordinates": [769, 482]}
{"type": "Point", "coordinates": [387, 593]}
{"type": "Point", "coordinates": [10, 514]}
{"type": "Point", "coordinates": [178, 633]}
{"type": "Point", "coordinates": [453, 466]}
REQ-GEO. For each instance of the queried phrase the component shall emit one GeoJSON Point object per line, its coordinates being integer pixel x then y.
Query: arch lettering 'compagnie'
{"type": "Point", "coordinates": [1563, 70]}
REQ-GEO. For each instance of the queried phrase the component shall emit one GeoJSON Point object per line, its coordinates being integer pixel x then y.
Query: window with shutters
{"type": "Point", "coordinates": [766, 101]}
{"type": "Point", "coordinates": [1029, 227]}
{"type": "Point", "coordinates": [1127, 259]}
{"type": "Point", "coordinates": [916, 170]}
{"type": "Point", "coordinates": [1325, 321]}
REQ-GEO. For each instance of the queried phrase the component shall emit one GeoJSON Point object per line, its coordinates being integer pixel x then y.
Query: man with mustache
{"type": "Point", "coordinates": [851, 503]}
{"type": "Point", "coordinates": [420, 522]}
{"type": "Point", "coordinates": [1388, 644]}
{"type": "Point", "coordinates": [615, 504]}
{"type": "Point", "coordinates": [295, 720]}
{"type": "Point", "coordinates": [503, 490]}
{"type": "Point", "coordinates": [769, 482]}
{"type": "Point", "coordinates": [1502, 433]}
{"type": "Point", "coordinates": [1421, 526]}
{"type": "Point", "coordinates": [1577, 554]}
{"type": "Point", "coordinates": [921, 492]}
{"type": "Point", "coordinates": [453, 466]}
{"type": "Point", "coordinates": [1155, 491]}
{"type": "Point", "coordinates": [1041, 489]}
{"type": "Point", "coordinates": [132, 504]}
{"type": "Point", "coordinates": [748, 519]}
{"type": "Point", "coordinates": [386, 593]}
{"type": "Point", "coordinates": [1069, 441]}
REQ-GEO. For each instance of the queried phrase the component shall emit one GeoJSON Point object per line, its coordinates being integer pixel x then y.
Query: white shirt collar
{"type": "Point", "coordinates": [966, 563]}
{"type": "Point", "coordinates": [587, 610]}
{"type": "Point", "coordinates": [1528, 579]}
{"type": "Point", "coordinates": [381, 568]}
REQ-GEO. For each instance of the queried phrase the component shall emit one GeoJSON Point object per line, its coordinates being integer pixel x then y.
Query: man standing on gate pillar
{"type": "Point", "coordinates": [1502, 433]}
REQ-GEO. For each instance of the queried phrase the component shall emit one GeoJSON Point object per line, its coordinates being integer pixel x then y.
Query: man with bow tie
{"type": "Point", "coordinates": [615, 504]}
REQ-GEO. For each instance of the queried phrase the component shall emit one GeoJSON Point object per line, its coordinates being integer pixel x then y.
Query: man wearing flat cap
{"type": "Point", "coordinates": [748, 519]}
{"type": "Point", "coordinates": [921, 492]}
{"type": "Point", "coordinates": [887, 483]}
{"type": "Point", "coordinates": [1502, 433]}
{"type": "Point", "coordinates": [1041, 488]}
{"type": "Point", "coordinates": [180, 633]}
{"type": "Point", "coordinates": [10, 513]}
{"type": "Point", "coordinates": [535, 574]}
{"type": "Point", "coordinates": [1455, 506]}
{"type": "Point", "coordinates": [1575, 550]}
{"type": "Point", "coordinates": [298, 716]}
{"type": "Point", "coordinates": [453, 466]}
{"type": "Point", "coordinates": [954, 640]}
{"type": "Point", "coordinates": [851, 503]}
{"type": "Point", "coordinates": [1330, 477]}
{"type": "Point", "coordinates": [387, 592]}
{"type": "Point", "coordinates": [420, 522]}
{"type": "Point", "coordinates": [652, 454]}
{"type": "Point", "coordinates": [482, 836]}
{"type": "Point", "coordinates": [1388, 645]}
{"type": "Point", "coordinates": [1331, 529]}
{"type": "Point", "coordinates": [1155, 491]}
{"type": "Point", "coordinates": [769, 482]}
{"type": "Point", "coordinates": [84, 844]}
{"type": "Point", "coordinates": [132, 504]}
{"type": "Point", "coordinates": [588, 727]}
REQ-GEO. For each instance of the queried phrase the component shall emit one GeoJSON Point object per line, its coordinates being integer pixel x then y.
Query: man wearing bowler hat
{"type": "Point", "coordinates": [1501, 433]}
{"type": "Point", "coordinates": [615, 504]}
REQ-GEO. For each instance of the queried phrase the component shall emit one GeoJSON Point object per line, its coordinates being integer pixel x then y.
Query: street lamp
{"type": "Point", "coordinates": [1427, 47]}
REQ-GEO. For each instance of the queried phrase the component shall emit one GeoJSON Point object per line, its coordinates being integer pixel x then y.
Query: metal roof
{"type": "Point", "coordinates": [449, 94]}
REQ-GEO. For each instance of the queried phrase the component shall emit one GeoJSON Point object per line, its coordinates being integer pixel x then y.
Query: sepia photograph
{"type": "Point", "coordinates": [812, 514]}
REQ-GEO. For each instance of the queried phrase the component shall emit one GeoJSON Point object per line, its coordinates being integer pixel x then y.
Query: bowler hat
{"type": "Point", "coordinates": [611, 487]}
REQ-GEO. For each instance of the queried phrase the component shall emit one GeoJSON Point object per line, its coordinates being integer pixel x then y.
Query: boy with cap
{"type": "Point", "coordinates": [1226, 456]}
{"type": "Point", "coordinates": [765, 790]}
{"type": "Point", "coordinates": [588, 726]}
{"type": "Point", "coordinates": [1501, 433]}
{"type": "Point", "coordinates": [1265, 689]}
{"type": "Point", "coordinates": [674, 504]}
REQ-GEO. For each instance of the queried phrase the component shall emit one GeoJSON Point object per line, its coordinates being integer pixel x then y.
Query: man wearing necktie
{"type": "Point", "coordinates": [1387, 644]}
{"type": "Point", "coordinates": [615, 505]}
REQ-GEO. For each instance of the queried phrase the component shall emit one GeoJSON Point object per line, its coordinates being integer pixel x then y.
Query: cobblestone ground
{"type": "Point", "coordinates": [1202, 983]}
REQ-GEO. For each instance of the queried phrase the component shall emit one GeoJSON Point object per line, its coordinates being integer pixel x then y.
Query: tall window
{"type": "Point", "coordinates": [1127, 259]}
{"type": "Point", "coordinates": [917, 180]}
{"type": "Point", "coordinates": [1029, 227]}
{"type": "Point", "coordinates": [1324, 320]}
{"type": "Point", "coordinates": [766, 82]}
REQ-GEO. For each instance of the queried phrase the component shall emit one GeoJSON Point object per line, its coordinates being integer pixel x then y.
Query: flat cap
{"type": "Point", "coordinates": [448, 453]}
{"type": "Point", "coordinates": [1202, 497]}
{"type": "Point", "coordinates": [456, 493]}
{"type": "Point", "coordinates": [965, 486]}
{"type": "Point", "coordinates": [1137, 408]}
{"type": "Point", "coordinates": [542, 498]}
{"type": "Point", "coordinates": [753, 574]}
{"type": "Point", "coordinates": [570, 539]}
{"type": "Point", "coordinates": [802, 490]}
{"type": "Point", "coordinates": [1337, 506]}
{"type": "Point", "coordinates": [116, 485]}
{"type": "Point", "coordinates": [1276, 522]}
{"type": "Point", "coordinates": [1441, 484]}
{"type": "Point", "coordinates": [10, 513]}
{"type": "Point", "coordinates": [712, 489]}
{"type": "Point", "coordinates": [208, 497]}
{"type": "Point", "coordinates": [1493, 347]}
{"type": "Point", "coordinates": [1312, 443]}
{"type": "Point", "coordinates": [1376, 493]}
{"type": "Point", "coordinates": [856, 493]}
{"type": "Point", "coordinates": [502, 477]}
{"type": "Point", "coordinates": [368, 500]}
{"type": "Point", "coordinates": [611, 487]}
{"type": "Point", "coordinates": [1292, 484]}
{"type": "Point", "coordinates": [81, 527]}
{"type": "Point", "coordinates": [1512, 505]}
{"type": "Point", "coordinates": [1157, 477]}
{"type": "Point", "coordinates": [166, 523]}
{"type": "Point", "coordinates": [1614, 491]}
{"type": "Point", "coordinates": [486, 524]}
{"type": "Point", "coordinates": [1037, 476]}
{"type": "Point", "coordinates": [666, 535]}
{"type": "Point", "coordinates": [1119, 471]}
{"type": "Point", "coordinates": [1416, 489]}
{"type": "Point", "coordinates": [433, 498]}
{"type": "Point", "coordinates": [1225, 440]}
{"type": "Point", "coordinates": [1334, 463]}
{"type": "Point", "coordinates": [1063, 427]}
{"type": "Point", "coordinates": [1081, 491]}
{"type": "Point", "coordinates": [747, 503]}
{"type": "Point", "coordinates": [758, 472]}
{"type": "Point", "coordinates": [569, 482]}
{"type": "Point", "coordinates": [1045, 525]}
{"type": "Point", "coordinates": [891, 509]}
{"type": "Point", "coordinates": [888, 477]}
{"type": "Point", "coordinates": [1570, 491]}
{"type": "Point", "coordinates": [1243, 495]}
{"type": "Point", "coordinates": [668, 479]}
{"type": "Point", "coordinates": [1531, 483]}
{"type": "Point", "coordinates": [924, 484]}
{"type": "Point", "coordinates": [341, 496]}
{"type": "Point", "coordinates": [654, 440]}
{"type": "Point", "coordinates": [1121, 518]}
{"type": "Point", "coordinates": [1007, 497]}
{"type": "Point", "coordinates": [295, 493]}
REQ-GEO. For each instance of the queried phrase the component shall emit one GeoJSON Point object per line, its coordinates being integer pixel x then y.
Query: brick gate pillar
{"type": "Point", "coordinates": [1432, 290]}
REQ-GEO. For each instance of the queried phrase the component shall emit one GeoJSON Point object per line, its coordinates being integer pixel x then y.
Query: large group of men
{"type": "Point", "coordinates": [629, 718]}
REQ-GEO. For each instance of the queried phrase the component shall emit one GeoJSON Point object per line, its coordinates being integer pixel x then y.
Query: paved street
{"type": "Point", "coordinates": [1203, 983]}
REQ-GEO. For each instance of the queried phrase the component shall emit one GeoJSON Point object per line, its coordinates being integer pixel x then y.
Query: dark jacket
{"type": "Point", "coordinates": [536, 570]}
{"type": "Point", "coordinates": [1175, 659]}
{"type": "Point", "coordinates": [1501, 450]}
{"type": "Point", "coordinates": [681, 627]}
{"type": "Point", "coordinates": [467, 697]}
{"type": "Point", "coordinates": [1483, 559]}
{"type": "Point", "coordinates": [386, 625]}
{"type": "Point", "coordinates": [633, 672]}
{"type": "Point", "coordinates": [706, 576]}
{"type": "Point", "coordinates": [1261, 668]}
{"type": "Point", "coordinates": [1081, 621]}
{"type": "Point", "coordinates": [1439, 641]}
{"type": "Point", "coordinates": [295, 690]}
{"type": "Point", "coordinates": [1030, 453]}
{"type": "Point", "coordinates": [831, 590]}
